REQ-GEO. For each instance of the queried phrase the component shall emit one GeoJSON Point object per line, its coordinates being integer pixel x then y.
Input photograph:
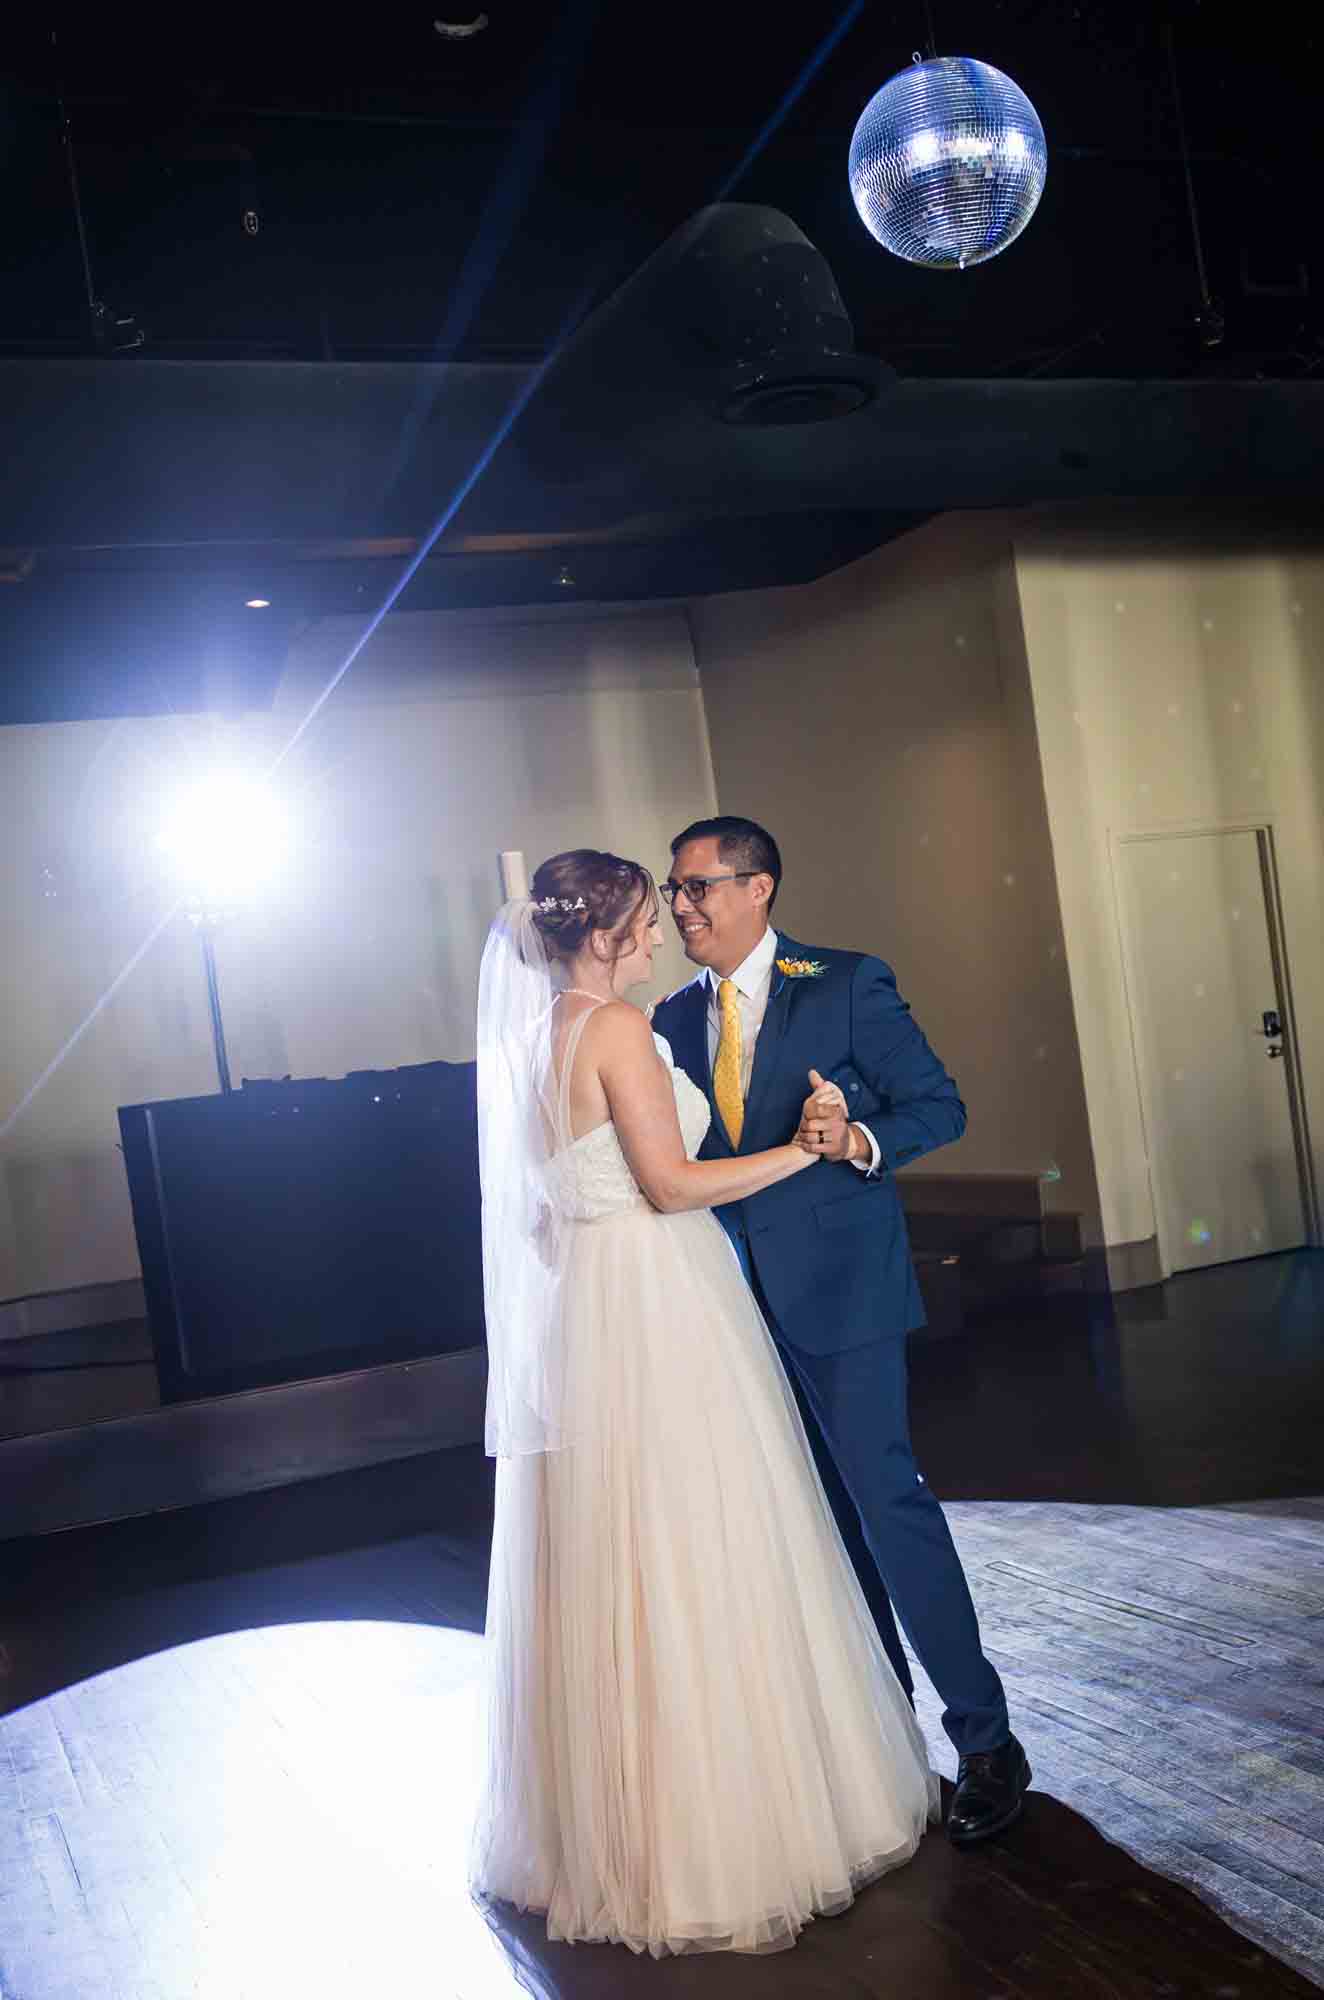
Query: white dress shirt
{"type": "Point", "coordinates": [753, 982]}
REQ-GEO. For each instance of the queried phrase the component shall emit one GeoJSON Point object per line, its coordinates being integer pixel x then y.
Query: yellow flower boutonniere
{"type": "Point", "coordinates": [801, 968]}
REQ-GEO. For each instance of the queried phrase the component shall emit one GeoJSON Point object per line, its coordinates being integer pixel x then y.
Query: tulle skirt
{"type": "Point", "coordinates": [694, 1739]}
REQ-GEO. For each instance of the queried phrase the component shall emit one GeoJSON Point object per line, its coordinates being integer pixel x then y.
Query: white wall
{"type": "Point", "coordinates": [1177, 662]}
{"type": "Point", "coordinates": [947, 736]}
{"type": "Point", "coordinates": [452, 736]}
{"type": "Point", "coordinates": [879, 721]}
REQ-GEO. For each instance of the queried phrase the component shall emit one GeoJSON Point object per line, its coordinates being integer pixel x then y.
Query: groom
{"type": "Point", "coordinates": [827, 1254]}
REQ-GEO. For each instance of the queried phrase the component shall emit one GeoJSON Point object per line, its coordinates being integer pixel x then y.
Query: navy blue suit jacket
{"type": "Point", "coordinates": [829, 1245]}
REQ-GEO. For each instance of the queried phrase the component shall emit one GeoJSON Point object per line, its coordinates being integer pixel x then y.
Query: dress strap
{"type": "Point", "coordinates": [596, 998]}
{"type": "Point", "coordinates": [569, 1051]}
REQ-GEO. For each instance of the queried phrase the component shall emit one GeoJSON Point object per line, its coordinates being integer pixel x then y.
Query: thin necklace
{"type": "Point", "coordinates": [584, 994]}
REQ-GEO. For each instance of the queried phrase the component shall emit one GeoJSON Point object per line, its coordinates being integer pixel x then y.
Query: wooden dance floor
{"type": "Point", "coordinates": [239, 1746]}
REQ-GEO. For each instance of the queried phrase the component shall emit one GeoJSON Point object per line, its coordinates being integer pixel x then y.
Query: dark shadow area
{"type": "Point", "coordinates": [81, 1603]}
{"type": "Point", "coordinates": [50, 1381]}
{"type": "Point", "coordinates": [1207, 1388]}
{"type": "Point", "coordinates": [1049, 1911]}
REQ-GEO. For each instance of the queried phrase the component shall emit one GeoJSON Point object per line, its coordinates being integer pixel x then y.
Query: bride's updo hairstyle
{"type": "Point", "coordinates": [585, 891]}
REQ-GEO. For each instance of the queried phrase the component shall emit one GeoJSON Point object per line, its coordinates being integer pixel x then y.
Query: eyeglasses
{"type": "Point", "coordinates": [696, 887]}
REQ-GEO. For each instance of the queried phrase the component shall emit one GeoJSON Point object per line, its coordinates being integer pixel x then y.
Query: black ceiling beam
{"type": "Point", "coordinates": [159, 452]}
{"type": "Point", "coordinates": [86, 637]}
{"type": "Point", "coordinates": [222, 114]}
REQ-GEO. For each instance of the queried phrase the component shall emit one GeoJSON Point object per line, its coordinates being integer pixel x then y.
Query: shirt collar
{"type": "Point", "coordinates": [755, 970]}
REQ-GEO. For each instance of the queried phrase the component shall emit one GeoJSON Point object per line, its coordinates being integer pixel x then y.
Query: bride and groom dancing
{"type": "Point", "coordinates": [708, 1517]}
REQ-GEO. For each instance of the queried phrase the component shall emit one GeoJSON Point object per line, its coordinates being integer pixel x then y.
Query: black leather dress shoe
{"type": "Point", "coordinates": [990, 1791]}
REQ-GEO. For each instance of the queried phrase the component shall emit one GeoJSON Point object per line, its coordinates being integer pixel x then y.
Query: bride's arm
{"type": "Point", "coordinates": [642, 1100]}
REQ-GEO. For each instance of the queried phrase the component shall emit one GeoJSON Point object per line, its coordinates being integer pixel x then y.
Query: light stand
{"type": "Point", "coordinates": [221, 836]}
{"type": "Point", "coordinates": [206, 923]}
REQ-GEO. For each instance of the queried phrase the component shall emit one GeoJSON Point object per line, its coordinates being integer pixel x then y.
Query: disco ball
{"type": "Point", "coordinates": [947, 163]}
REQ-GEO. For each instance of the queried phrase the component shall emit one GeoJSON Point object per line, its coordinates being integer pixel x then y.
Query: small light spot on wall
{"type": "Point", "coordinates": [1174, 875]}
{"type": "Point", "coordinates": [1077, 718]}
{"type": "Point", "coordinates": [1179, 1076]}
{"type": "Point", "coordinates": [1041, 1053]}
{"type": "Point", "coordinates": [1174, 708]}
{"type": "Point", "coordinates": [1010, 881]}
{"type": "Point", "coordinates": [1256, 1234]}
{"type": "Point", "coordinates": [1235, 914]}
{"type": "Point", "coordinates": [1296, 610]}
{"type": "Point", "coordinates": [1144, 790]}
{"type": "Point", "coordinates": [1052, 951]}
{"type": "Point", "coordinates": [924, 840]}
{"type": "Point", "coordinates": [1119, 604]}
{"type": "Point", "coordinates": [1236, 707]}
{"type": "Point", "coordinates": [961, 642]}
{"type": "Point", "coordinates": [1207, 624]}
{"type": "Point", "coordinates": [1199, 992]}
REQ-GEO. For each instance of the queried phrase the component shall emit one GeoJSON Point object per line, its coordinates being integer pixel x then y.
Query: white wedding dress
{"type": "Point", "coordinates": [695, 1738]}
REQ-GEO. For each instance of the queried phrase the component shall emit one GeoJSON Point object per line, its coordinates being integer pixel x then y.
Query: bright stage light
{"type": "Point", "coordinates": [224, 837]}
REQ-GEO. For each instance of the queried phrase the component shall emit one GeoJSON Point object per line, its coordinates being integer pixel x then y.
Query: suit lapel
{"type": "Point", "coordinates": [689, 1045]}
{"type": "Point", "coordinates": [697, 1062]}
{"type": "Point", "coordinates": [768, 1047]}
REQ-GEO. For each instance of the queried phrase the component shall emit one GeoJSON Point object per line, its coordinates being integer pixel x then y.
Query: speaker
{"type": "Point", "coordinates": [300, 1228]}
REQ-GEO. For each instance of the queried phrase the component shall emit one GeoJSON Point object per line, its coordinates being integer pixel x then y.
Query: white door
{"type": "Point", "coordinates": [1214, 1074]}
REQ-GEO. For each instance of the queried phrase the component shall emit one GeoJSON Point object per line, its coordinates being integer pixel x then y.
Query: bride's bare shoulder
{"type": "Point", "coordinates": [623, 1029]}
{"type": "Point", "coordinates": [622, 1017]}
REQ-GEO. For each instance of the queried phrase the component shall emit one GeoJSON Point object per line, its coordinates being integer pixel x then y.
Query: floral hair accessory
{"type": "Point", "coordinates": [801, 968]}
{"type": "Point", "coordinates": [550, 903]}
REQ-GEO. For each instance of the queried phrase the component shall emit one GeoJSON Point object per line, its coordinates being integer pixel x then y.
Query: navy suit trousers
{"type": "Point", "coordinates": [856, 1413]}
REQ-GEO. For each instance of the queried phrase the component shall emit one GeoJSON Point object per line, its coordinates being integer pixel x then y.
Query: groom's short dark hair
{"type": "Point", "coordinates": [742, 842]}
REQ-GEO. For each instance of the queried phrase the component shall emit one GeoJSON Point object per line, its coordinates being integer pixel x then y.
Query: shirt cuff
{"type": "Point", "coordinates": [871, 1165]}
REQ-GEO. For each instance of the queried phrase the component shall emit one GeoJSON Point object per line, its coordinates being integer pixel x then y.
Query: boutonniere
{"type": "Point", "coordinates": [801, 968]}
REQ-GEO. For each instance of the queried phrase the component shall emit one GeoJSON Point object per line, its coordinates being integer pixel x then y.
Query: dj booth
{"type": "Point", "coordinates": [298, 1229]}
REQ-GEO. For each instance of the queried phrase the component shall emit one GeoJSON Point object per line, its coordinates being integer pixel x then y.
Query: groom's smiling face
{"type": "Point", "coordinates": [723, 929]}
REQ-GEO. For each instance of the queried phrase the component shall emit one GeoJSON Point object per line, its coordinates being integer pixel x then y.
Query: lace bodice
{"type": "Point", "coordinates": [590, 1179]}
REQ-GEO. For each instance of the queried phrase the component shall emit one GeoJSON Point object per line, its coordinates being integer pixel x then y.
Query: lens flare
{"type": "Point", "coordinates": [224, 837]}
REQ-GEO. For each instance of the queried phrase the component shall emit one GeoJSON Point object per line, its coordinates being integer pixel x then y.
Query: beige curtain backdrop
{"type": "Point", "coordinates": [451, 737]}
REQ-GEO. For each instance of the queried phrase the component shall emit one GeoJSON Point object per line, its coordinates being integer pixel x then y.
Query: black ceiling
{"type": "Point", "coordinates": [419, 196]}
{"type": "Point", "coordinates": [329, 255]}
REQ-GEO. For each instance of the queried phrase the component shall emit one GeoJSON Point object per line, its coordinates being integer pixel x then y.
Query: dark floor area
{"type": "Point", "coordinates": [1209, 1387]}
{"type": "Point", "coordinates": [1208, 1390]}
{"type": "Point", "coordinates": [51, 1380]}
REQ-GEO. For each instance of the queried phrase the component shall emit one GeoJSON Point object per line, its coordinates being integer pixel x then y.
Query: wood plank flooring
{"type": "Point", "coordinates": [1166, 1671]}
{"type": "Point", "coordinates": [274, 1797]}
{"type": "Point", "coordinates": [236, 1756]}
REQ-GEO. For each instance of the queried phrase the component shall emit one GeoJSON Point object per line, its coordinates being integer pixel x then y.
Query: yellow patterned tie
{"type": "Point", "coordinates": [726, 1069]}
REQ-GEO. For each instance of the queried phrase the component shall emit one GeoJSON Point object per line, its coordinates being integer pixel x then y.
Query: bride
{"type": "Point", "coordinates": [695, 1740]}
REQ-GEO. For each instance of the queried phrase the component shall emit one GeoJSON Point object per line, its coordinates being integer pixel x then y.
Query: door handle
{"type": "Point", "coordinates": [1274, 1049]}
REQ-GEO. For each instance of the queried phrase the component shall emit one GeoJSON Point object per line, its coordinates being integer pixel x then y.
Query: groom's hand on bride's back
{"type": "Point", "coordinates": [824, 1126]}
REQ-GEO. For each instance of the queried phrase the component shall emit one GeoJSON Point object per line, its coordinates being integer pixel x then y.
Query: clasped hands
{"type": "Point", "coordinates": [824, 1128]}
